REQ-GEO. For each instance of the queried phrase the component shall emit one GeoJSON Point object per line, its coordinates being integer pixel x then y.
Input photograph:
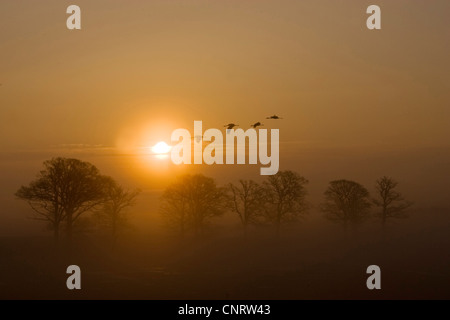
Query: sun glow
{"type": "Point", "coordinates": [161, 148]}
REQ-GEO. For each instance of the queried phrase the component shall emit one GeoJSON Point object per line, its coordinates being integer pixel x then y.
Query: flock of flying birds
{"type": "Point", "coordinates": [255, 125]}
{"type": "Point", "coordinates": [232, 125]}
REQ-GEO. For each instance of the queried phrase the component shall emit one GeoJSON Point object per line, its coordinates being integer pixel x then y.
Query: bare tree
{"type": "Point", "coordinates": [346, 202]}
{"type": "Point", "coordinates": [112, 213]}
{"type": "Point", "coordinates": [285, 195]}
{"type": "Point", "coordinates": [247, 200]}
{"type": "Point", "coordinates": [45, 198]}
{"type": "Point", "coordinates": [63, 191]}
{"type": "Point", "coordinates": [391, 202]}
{"type": "Point", "coordinates": [174, 207]}
{"type": "Point", "coordinates": [191, 201]}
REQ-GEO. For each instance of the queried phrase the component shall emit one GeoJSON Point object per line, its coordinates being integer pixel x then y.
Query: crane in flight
{"type": "Point", "coordinates": [197, 138]}
{"type": "Point", "coordinates": [257, 124]}
{"type": "Point", "coordinates": [230, 126]}
{"type": "Point", "coordinates": [274, 117]}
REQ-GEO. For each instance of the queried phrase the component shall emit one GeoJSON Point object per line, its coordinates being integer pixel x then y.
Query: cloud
{"type": "Point", "coordinates": [83, 148]}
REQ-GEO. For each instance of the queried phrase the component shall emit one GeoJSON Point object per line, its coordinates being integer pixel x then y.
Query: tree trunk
{"type": "Point", "coordinates": [354, 232]}
{"type": "Point", "coordinates": [383, 223]}
{"type": "Point", "coordinates": [69, 229]}
{"type": "Point", "coordinates": [346, 236]}
{"type": "Point", "coordinates": [56, 233]}
{"type": "Point", "coordinates": [182, 232]}
{"type": "Point", "coordinates": [197, 229]}
{"type": "Point", "coordinates": [277, 226]}
{"type": "Point", "coordinates": [114, 233]}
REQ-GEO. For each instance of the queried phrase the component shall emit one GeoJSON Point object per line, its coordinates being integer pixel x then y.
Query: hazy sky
{"type": "Point", "coordinates": [139, 69]}
{"type": "Point", "coordinates": [136, 64]}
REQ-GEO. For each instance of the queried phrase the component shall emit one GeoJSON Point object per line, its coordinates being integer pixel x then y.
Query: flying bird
{"type": "Point", "coordinates": [230, 126]}
{"type": "Point", "coordinates": [257, 124]}
{"type": "Point", "coordinates": [197, 138]}
{"type": "Point", "coordinates": [274, 117]}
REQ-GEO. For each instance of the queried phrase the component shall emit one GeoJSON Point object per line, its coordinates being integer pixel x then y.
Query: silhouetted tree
{"type": "Point", "coordinates": [346, 202]}
{"type": "Point", "coordinates": [112, 213]}
{"type": "Point", "coordinates": [191, 201]}
{"type": "Point", "coordinates": [247, 200]}
{"type": "Point", "coordinates": [174, 207]}
{"type": "Point", "coordinates": [285, 194]}
{"type": "Point", "coordinates": [391, 202]}
{"type": "Point", "coordinates": [64, 190]}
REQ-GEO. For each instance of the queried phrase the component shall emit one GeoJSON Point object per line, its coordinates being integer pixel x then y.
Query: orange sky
{"type": "Point", "coordinates": [139, 69]}
{"type": "Point", "coordinates": [168, 63]}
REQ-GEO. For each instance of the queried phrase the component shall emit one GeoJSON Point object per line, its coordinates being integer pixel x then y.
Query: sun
{"type": "Point", "coordinates": [161, 148]}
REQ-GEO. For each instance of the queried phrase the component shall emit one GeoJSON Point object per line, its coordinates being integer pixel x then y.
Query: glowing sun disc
{"type": "Point", "coordinates": [161, 148]}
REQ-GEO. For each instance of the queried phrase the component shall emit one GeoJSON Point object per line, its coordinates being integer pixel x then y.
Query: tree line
{"type": "Point", "coordinates": [67, 188]}
{"type": "Point", "coordinates": [190, 202]}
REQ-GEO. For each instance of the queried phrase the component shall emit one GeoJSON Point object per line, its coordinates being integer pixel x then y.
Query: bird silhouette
{"type": "Point", "coordinates": [230, 126]}
{"type": "Point", "coordinates": [257, 124]}
{"type": "Point", "coordinates": [274, 117]}
{"type": "Point", "coordinates": [197, 138]}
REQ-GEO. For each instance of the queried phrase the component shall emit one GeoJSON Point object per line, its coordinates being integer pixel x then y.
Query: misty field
{"type": "Point", "coordinates": [309, 261]}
